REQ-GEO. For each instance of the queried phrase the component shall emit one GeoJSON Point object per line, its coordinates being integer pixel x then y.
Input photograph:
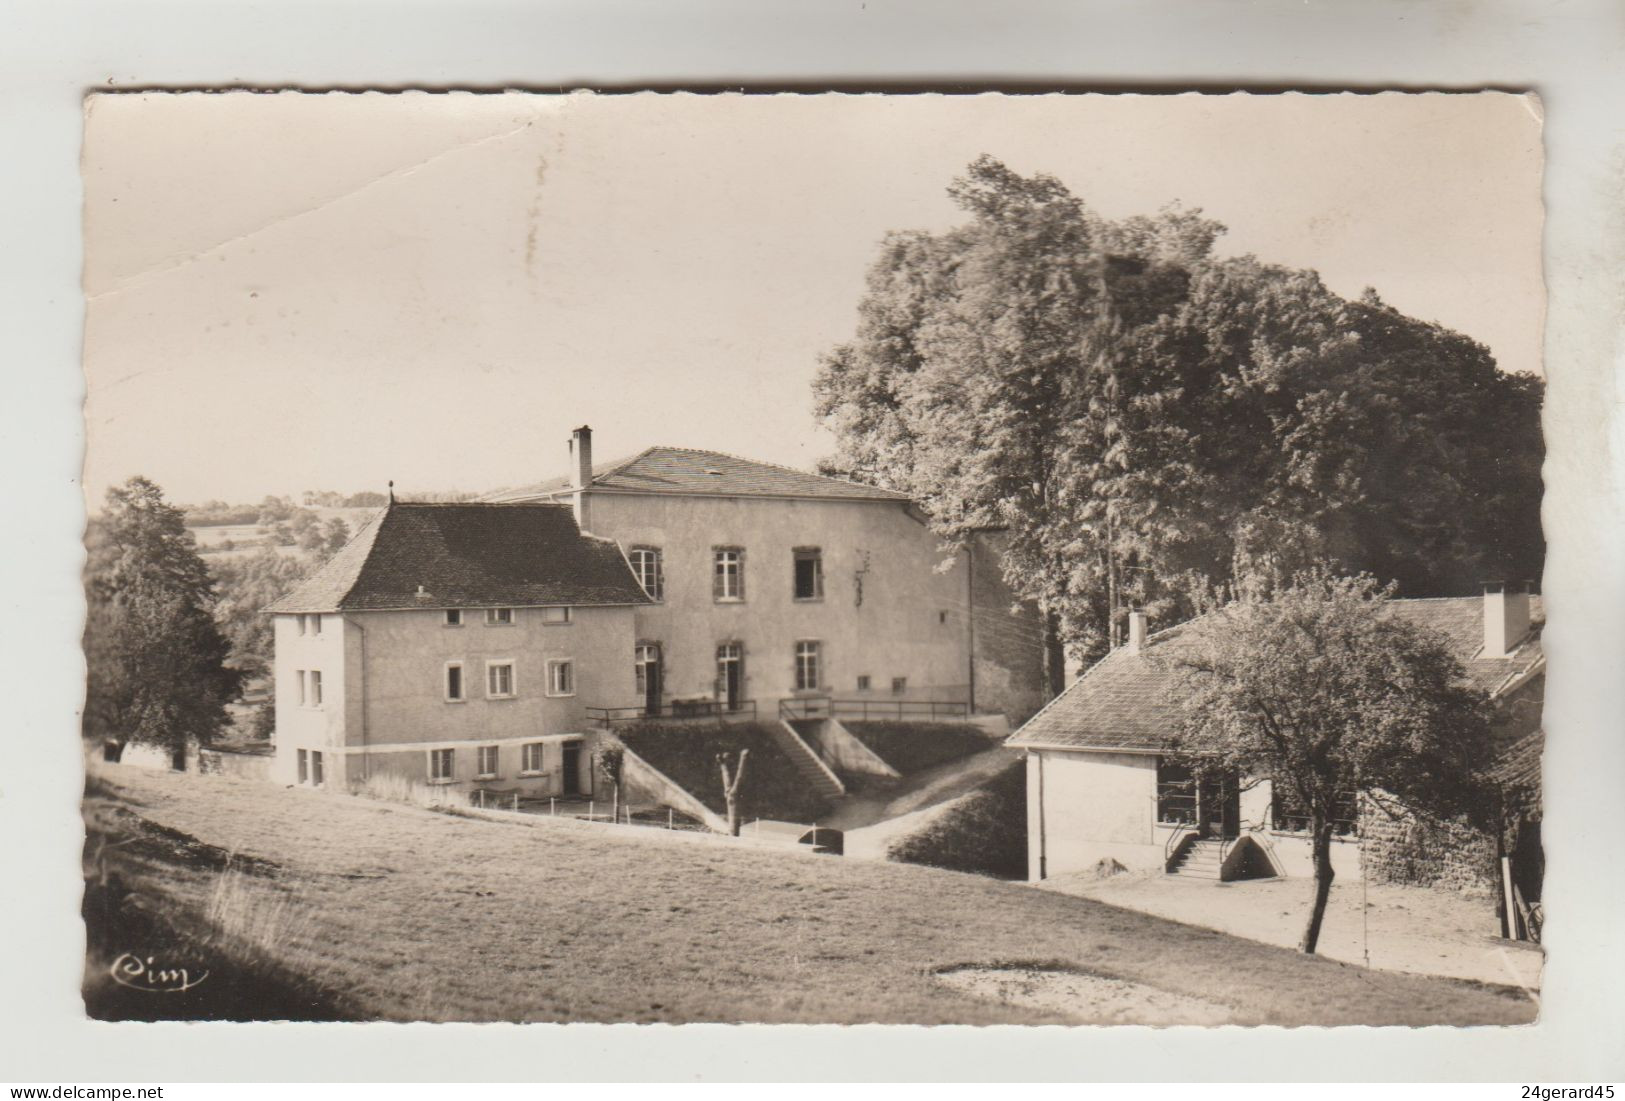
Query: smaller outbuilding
{"type": "Point", "coordinates": [1103, 784]}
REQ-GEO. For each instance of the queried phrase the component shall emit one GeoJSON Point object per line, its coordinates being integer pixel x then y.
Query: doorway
{"type": "Point", "coordinates": [731, 675]}
{"type": "Point", "coordinates": [1218, 802]}
{"type": "Point", "coordinates": [570, 770]}
{"type": "Point", "coordinates": [648, 665]}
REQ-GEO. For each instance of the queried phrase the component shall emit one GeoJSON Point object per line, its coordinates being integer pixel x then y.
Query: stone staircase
{"type": "Point", "coordinates": [818, 775]}
{"type": "Point", "coordinates": [1198, 858]}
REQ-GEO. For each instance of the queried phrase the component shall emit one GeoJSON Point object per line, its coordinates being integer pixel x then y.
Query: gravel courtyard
{"type": "Point", "coordinates": [1410, 929]}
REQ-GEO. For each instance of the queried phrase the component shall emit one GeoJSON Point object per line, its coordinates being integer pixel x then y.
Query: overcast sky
{"type": "Point", "coordinates": [293, 292]}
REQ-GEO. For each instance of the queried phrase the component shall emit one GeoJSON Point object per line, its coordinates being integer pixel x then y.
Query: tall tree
{"type": "Point", "coordinates": [1150, 421]}
{"type": "Point", "coordinates": [1318, 688]}
{"type": "Point", "coordinates": [156, 671]}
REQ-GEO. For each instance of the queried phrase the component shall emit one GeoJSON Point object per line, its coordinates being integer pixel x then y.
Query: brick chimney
{"type": "Point", "coordinates": [1136, 631]}
{"type": "Point", "coordinates": [580, 476]}
{"type": "Point", "coordinates": [1506, 617]}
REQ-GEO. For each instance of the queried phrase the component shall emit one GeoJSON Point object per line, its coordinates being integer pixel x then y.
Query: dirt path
{"type": "Point", "coordinates": [872, 819]}
{"type": "Point", "coordinates": [1411, 929]}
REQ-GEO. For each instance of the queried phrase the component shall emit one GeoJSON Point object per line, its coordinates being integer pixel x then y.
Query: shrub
{"type": "Point", "coordinates": [687, 754]}
{"type": "Point", "coordinates": [983, 831]}
{"type": "Point", "coordinates": [912, 746]}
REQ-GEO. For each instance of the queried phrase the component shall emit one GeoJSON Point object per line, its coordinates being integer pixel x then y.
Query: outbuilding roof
{"type": "Point", "coordinates": [468, 555]}
{"type": "Point", "coordinates": [681, 470]}
{"type": "Point", "coordinates": [1123, 702]}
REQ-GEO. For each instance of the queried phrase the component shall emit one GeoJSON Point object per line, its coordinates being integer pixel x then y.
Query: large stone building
{"type": "Point", "coordinates": [486, 644]}
{"type": "Point", "coordinates": [1102, 783]}
{"type": "Point", "coordinates": [454, 644]}
{"type": "Point", "coordinates": [769, 583]}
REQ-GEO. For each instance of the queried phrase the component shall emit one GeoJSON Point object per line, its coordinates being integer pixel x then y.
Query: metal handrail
{"type": "Point", "coordinates": [1175, 836]}
{"type": "Point", "coordinates": [864, 710]}
{"type": "Point", "coordinates": [607, 717]}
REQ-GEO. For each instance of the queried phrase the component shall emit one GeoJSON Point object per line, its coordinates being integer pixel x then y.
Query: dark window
{"type": "Point", "coordinates": [316, 768]}
{"type": "Point", "coordinates": [1176, 793]}
{"type": "Point", "coordinates": [304, 767]}
{"type": "Point", "coordinates": [863, 683]}
{"type": "Point", "coordinates": [899, 685]}
{"type": "Point", "coordinates": [454, 617]}
{"type": "Point", "coordinates": [454, 682]}
{"type": "Point", "coordinates": [809, 573]}
{"type": "Point", "coordinates": [1289, 815]}
{"type": "Point", "coordinates": [441, 766]}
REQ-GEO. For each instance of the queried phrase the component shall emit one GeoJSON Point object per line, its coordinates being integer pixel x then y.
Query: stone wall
{"type": "Point", "coordinates": [247, 766]}
{"type": "Point", "coordinates": [1405, 848]}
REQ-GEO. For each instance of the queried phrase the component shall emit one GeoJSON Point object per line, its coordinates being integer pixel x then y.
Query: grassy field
{"type": "Point", "coordinates": [406, 914]}
{"type": "Point", "coordinates": [912, 746]}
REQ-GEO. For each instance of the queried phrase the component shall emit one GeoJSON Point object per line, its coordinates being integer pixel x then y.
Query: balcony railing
{"type": "Point", "coordinates": [607, 717]}
{"type": "Point", "coordinates": [864, 710]}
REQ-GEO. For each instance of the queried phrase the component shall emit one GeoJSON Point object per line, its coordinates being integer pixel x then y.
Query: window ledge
{"type": "Point", "coordinates": [444, 780]}
{"type": "Point", "coordinates": [498, 699]}
{"type": "Point", "coordinates": [531, 774]}
{"type": "Point", "coordinates": [561, 695]}
{"type": "Point", "coordinates": [488, 776]}
{"type": "Point", "coordinates": [450, 700]}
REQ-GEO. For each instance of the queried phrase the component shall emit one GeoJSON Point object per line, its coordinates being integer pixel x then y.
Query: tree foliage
{"type": "Point", "coordinates": [156, 660]}
{"type": "Point", "coordinates": [246, 586]}
{"type": "Point", "coordinates": [1317, 687]}
{"type": "Point", "coordinates": [1150, 421]}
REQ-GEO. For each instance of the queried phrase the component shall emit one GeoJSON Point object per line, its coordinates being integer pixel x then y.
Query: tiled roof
{"type": "Point", "coordinates": [1123, 703]}
{"type": "Point", "coordinates": [1518, 769]}
{"type": "Point", "coordinates": [468, 556]}
{"type": "Point", "coordinates": [682, 470]}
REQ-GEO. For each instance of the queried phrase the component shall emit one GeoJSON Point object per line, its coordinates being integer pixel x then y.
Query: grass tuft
{"type": "Point", "coordinates": [264, 921]}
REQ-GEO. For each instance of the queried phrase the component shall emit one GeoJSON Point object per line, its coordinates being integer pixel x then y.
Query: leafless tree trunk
{"type": "Point", "coordinates": [730, 787]}
{"type": "Point", "coordinates": [1321, 832]}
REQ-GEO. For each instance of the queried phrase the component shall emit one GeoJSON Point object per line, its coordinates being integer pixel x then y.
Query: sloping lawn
{"type": "Point", "coordinates": [687, 754]}
{"type": "Point", "coordinates": [418, 915]}
{"type": "Point", "coordinates": [911, 746]}
{"type": "Point", "coordinates": [982, 831]}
